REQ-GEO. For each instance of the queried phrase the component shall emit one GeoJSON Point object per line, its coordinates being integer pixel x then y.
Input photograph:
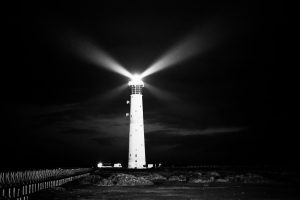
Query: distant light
{"type": "Point", "coordinates": [117, 165]}
{"type": "Point", "coordinates": [150, 166]}
{"type": "Point", "coordinates": [100, 164]}
{"type": "Point", "coordinates": [136, 79]}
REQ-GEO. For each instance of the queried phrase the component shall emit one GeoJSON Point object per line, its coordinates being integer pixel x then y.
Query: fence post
{"type": "Point", "coordinates": [18, 185]}
{"type": "Point", "coordinates": [3, 192]}
{"type": "Point", "coordinates": [14, 192]}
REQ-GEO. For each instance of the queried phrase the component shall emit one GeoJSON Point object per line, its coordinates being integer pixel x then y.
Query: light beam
{"type": "Point", "coordinates": [179, 53]}
{"type": "Point", "coordinates": [171, 100]}
{"type": "Point", "coordinates": [208, 36]}
{"type": "Point", "coordinates": [100, 58]}
{"type": "Point", "coordinates": [107, 95]}
{"type": "Point", "coordinates": [111, 94]}
{"type": "Point", "coordinates": [161, 94]}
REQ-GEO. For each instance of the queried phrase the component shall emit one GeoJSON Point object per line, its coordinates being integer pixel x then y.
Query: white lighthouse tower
{"type": "Point", "coordinates": [136, 155]}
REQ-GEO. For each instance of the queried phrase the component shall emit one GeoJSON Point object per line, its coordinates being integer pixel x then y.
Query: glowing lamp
{"type": "Point", "coordinates": [136, 80]}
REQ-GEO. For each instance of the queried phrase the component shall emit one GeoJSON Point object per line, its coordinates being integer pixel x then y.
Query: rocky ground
{"type": "Point", "coordinates": [135, 178]}
{"type": "Point", "coordinates": [173, 184]}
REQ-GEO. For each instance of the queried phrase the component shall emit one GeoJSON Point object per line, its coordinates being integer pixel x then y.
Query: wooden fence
{"type": "Point", "coordinates": [20, 184]}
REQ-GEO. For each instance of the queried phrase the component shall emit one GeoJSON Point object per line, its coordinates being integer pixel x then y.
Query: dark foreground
{"type": "Point", "coordinates": [172, 185]}
{"type": "Point", "coordinates": [173, 192]}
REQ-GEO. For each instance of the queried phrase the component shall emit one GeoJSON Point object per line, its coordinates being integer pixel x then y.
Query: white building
{"type": "Point", "coordinates": [117, 165]}
{"type": "Point", "coordinates": [109, 165]}
{"type": "Point", "coordinates": [136, 155]}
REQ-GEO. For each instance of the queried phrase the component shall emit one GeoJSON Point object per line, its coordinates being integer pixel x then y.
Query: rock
{"type": "Point", "coordinates": [154, 177]}
{"type": "Point", "coordinates": [246, 178]}
{"type": "Point", "coordinates": [105, 182]}
{"type": "Point", "coordinates": [128, 180]}
{"type": "Point", "coordinates": [180, 178]}
{"type": "Point", "coordinates": [117, 179]}
{"type": "Point", "coordinates": [214, 174]}
{"type": "Point", "coordinates": [198, 174]}
{"type": "Point", "coordinates": [201, 180]}
{"type": "Point", "coordinates": [253, 178]}
{"type": "Point", "coordinates": [222, 180]}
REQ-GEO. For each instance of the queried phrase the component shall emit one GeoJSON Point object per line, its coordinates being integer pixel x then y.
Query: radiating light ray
{"type": "Point", "coordinates": [160, 94]}
{"type": "Point", "coordinates": [172, 101]}
{"type": "Point", "coordinates": [211, 33]}
{"type": "Point", "coordinates": [180, 52]}
{"type": "Point", "coordinates": [111, 94]}
{"type": "Point", "coordinates": [100, 58]}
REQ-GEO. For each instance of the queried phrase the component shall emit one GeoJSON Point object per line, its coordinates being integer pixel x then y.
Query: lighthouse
{"type": "Point", "coordinates": [136, 154]}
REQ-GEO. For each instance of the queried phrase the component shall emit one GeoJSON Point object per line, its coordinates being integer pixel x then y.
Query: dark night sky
{"type": "Point", "coordinates": [230, 104]}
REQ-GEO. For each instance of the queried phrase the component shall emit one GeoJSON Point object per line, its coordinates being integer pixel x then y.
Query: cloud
{"type": "Point", "coordinates": [173, 126]}
{"type": "Point", "coordinates": [210, 131]}
{"type": "Point", "coordinates": [105, 125]}
{"type": "Point", "coordinates": [97, 133]}
{"type": "Point", "coordinates": [185, 141]}
{"type": "Point", "coordinates": [103, 141]}
{"type": "Point", "coordinates": [36, 110]}
{"type": "Point", "coordinates": [83, 132]}
{"type": "Point", "coordinates": [191, 147]}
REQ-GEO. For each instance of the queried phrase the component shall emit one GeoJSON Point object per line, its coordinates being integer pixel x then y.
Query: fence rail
{"type": "Point", "coordinates": [18, 185]}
